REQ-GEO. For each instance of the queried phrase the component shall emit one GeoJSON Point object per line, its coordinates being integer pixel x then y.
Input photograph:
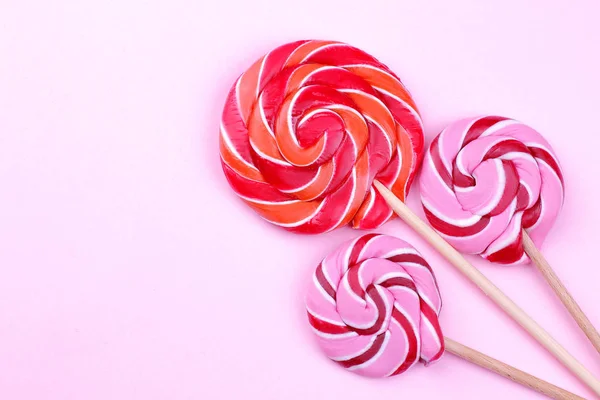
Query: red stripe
{"type": "Point", "coordinates": [548, 159]}
{"type": "Point", "coordinates": [272, 95]}
{"type": "Point", "coordinates": [509, 254]}
{"type": "Point", "coordinates": [320, 275]}
{"type": "Point", "coordinates": [411, 356]}
{"type": "Point", "coordinates": [511, 188]}
{"type": "Point", "coordinates": [479, 127]}
{"type": "Point", "coordinates": [461, 180]}
{"type": "Point", "coordinates": [531, 216]}
{"type": "Point", "coordinates": [343, 54]}
{"type": "Point", "coordinates": [451, 230]}
{"type": "Point", "coordinates": [504, 147]}
{"type": "Point", "coordinates": [339, 79]}
{"type": "Point", "coordinates": [399, 281]}
{"type": "Point", "coordinates": [381, 313]}
{"type": "Point", "coordinates": [358, 247]}
{"type": "Point", "coordinates": [250, 188]}
{"type": "Point", "coordinates": [411, 258]}
{"type": "Point", "coordinates": [438, 163]}
{"type": "Point", "coordinates": [354, 282]}
{"type": "Point", "coordinates": [275, 60]}
{"type": "Point", "coordinates": [235, 126]}
{"type": "Point", "coordinates": [326, 327]}
{"type": "Point", "coordinates": [367, 355]}
{"type": "Point", "coordinates": [522, 198]}
{"type": "Point", "coordinates": [432, 317]}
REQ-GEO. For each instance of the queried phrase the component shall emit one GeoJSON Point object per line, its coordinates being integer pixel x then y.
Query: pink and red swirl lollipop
{"type": "Point", "coordinates": [307, 128]}
{"type": "Point", "coordinates": [374, 304]}
{"type": "Point", "coordinates": [485, 180]}
{"type": "Point", "coordinates": [493, 186]}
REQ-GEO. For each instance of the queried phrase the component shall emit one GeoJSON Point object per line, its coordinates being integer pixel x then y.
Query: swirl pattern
{"type": "Point", "coordinates": [484, 180]}
{"type": "Point", "coordinates": [374, 305]}
{"type": "Point", "coordinates": [308, 127]}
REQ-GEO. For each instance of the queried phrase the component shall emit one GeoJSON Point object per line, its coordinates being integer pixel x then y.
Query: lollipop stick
{"type": "Point", "coordinates": [503, 301]}
{"type": "Point", "coordinates": [561, 291]}
{"type": "Point", "coordinates": [507, 371]}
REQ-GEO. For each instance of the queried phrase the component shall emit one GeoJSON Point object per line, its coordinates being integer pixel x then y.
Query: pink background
{"type": "Point", "coordinates": [129, 270]}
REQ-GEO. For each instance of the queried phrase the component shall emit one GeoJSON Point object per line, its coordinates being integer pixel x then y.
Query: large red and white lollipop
{"type": "Point", "coordinates": [374, 304]}
{"type": "Point", "coordinates": [307, 128]}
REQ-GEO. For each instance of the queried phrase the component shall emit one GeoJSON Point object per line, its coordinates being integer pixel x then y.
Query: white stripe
{"type": "Point", "coordinates": [260, 72]}
{"type": "Point", "coordinates": [318, 49]}
{"type": "Point", "coordinates": [401, 251]}
{"type": "Point", "coordinates": [371, 201]}
{"type": "Point", "coordinates": [512, 236]}
{"type": "Point", "coordinates": [386, 340]}
{"type": "Point", "coordinates": [391, 275]}
{"type": "Point", "coordinates": [263, 116]}
{"type": "Point", "coordinates": [405, 104]}
{"type": "Point", "coordinates": [431, 329]}
{"type": "Point", "coordinates": [298, 189]}
{"type": "Point", "coordinates": [321, 290]}
{"type": "Point", "coordinates": [499, 189]}
{"type": "Point", "coordinates": [432, 166]}
{"type": "Point", "coordinates": [498, 126]}
{"type": "Point", "coordinates": [322, 318]}
{"type": "Point", "coordinates": [302, 221]}
{"type": "Point", "coordinates": [267, 157]}
{"type": "Point", "coordinates": [326, 274]}
{"type": "Point", "coordinates": [231, 148]}
{"type": "Point", "coordinates": [332, 336]}
{"type": "Point", "coordinates": [360, 300]}
{"type": "Point", "coordinates": [307, 78]}
{"type": "Point", "coordinates": [357, 353]}
{"type": "Point", "coordinates": [463, 223]}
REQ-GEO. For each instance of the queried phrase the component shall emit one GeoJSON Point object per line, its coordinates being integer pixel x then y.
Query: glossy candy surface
{"type": "Point", "coordinates": [307, 128]}
{"type": "Point", "coordinates": [486, 178]}
{"type": "Point", "coordinates": [374, 305]}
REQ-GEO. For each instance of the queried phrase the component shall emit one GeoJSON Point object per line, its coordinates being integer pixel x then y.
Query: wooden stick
{"type": "Point", "coordinates": [509, 372]}
{"type": "Point", "coordinates": [502, 300]}
{"type": "Point", "coordinates": [561, 291]}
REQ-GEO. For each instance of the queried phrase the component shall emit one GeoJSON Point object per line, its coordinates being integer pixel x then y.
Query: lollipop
{"type": "Point", "coordinates": [309, 132]}
{"type": "Point", "coordinates": [493, 186]}
{"type": "Point", "coordinates": [309, 126]}
{"type": "Point", "coordinates": [374, 304]}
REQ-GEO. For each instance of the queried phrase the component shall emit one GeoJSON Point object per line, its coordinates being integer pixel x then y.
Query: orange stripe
{"type": "Point", "coordinates": [377, 111]}
{"type": "Point", "coordinates": [319, 185]}
{"type": "Point", "coordinates": [248, 87]}
{"type": "Point", "coordinates": [362, 211]}
{"type": "Point", "coordinates": [237, 164]}
{"type": "Point", "coordinates": [261, 137]}
{"type": "Point", "coordinates": [294, 82]}
{"type": "Point", "coordinates": [362, 177]}
{"type": "Point", "coordinates": [380, 79]}
{"type": "Point", "coordinates": [304, 50]}
{"type": "Point", "coordinates": [289, 149]}
{"type": "Point", "coordinates": [356, 125]}
{"type": "Point", "coordinates": [399, 186]}
{"type": "Point", "coordinates": [285, 213]}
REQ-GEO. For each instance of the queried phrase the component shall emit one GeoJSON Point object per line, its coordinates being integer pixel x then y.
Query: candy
{"type": "Point", "coordinates": [307, 129]}
{"type": "Point", "coordinates": [374, 305]}
{"type": "Point", "coordinates": [484, 180]}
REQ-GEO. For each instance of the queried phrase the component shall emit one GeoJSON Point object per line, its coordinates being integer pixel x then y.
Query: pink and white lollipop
{"type": "Point", "coordinates": [493, 186]}
{"type": "Point", "coordinates": [486, 179]}
{"type": "Point", "coordinates": [374, 304]}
